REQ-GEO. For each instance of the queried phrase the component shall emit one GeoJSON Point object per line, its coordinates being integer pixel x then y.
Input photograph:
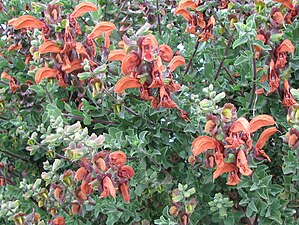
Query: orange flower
{"type": "Point", "coordinates": [157, 74]}
{"type": "Point", "coordinates": [288, 99]}
{"type": "Point", "coordinates": [266, 134]}
{"type": "Point", "coordinates": [118, 54]}
{"type": "Point", "coordinates": [129, 63]}
{"type": "Point", "coordinates": [188, 4]}
{"type": "Point", "coordinates": [86, 187]}
{"type": "Point", "coordinates": [101, 28]}
{"type": "Point", "coordinates": [224, 168]}
{"type": "Point", "coordinates": [260, 121]}
{"type": "Point", "coordinates": [13, 86]}
{"type": "Point", "coordinates": [82, 8]}
{"type": "Point", "coordinates": [69, 42]}
{"type": "Point", "coordinates": [148, 46]}
{"type": "Point", "coordinates": [274, 79]}
{"type": "Point", "coordinates": [118, 158]}
{"type": "Point", "coordinates": [14, 47]}
{"type": "Point", "coordinates": [124, 190]}
{"type": "Point", "coordinates": [26, 21]}
{"type": "Point", "coordinates": [59, 220]}
{"type": "Point", "coordinates": [74, 65]}
{"type": "Point", "coordinates": [125, 172]}
{"type": "Point", "coordinates": [165, 53]}
{"type": "Point", "coordinates": [176, 62]}
{"type": "Point", "coordinates": [165, 100]}
{"type": "Point", "coordinates": [126, 82]}
{"type": "Point", "coordinates": [202, 143]}
{"type": "Point", "coordinates": [207, 32]}
{"type": "Point", "coordinates": [286, 3]}
{"type": "Point", "coordinates": [281, 50]}
{"type": "Point", "coordinates": [81, 173]}
{"type": "Point", "coordinates": [49, 46]}
{"type": "Point", "coordinates": [233, 178]}
{"type": "Point", "coordinates": [242, 163]}
{"type": "Point", "coordinates": [109, 188]}
{"type": "Point", "coordinates": [262, 38]}
{"type": "Point", "coordinates": [45, 72]}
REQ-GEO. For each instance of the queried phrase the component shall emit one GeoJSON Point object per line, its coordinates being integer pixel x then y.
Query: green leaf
{"type": "Point", "coordinates": [241, 40]}
{"type": "Point", "coordinates": [242, 59]}
{"type": "Point", "coordinates": [261, 44]}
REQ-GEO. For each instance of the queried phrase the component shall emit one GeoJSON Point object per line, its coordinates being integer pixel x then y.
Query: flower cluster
{"type": "Point", "coordinates": [62, 52]}
{"type": "Point", "coordinates": [143, 67]}
{"type": "Point", "coordinates": [197, 23]}
{"type": "Point", "coordinates": [231, 140]}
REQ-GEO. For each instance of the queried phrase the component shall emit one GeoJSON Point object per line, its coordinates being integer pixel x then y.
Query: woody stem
{"type": "Point", "coordinates": [158, 17]}
{"type": "Point", "coordinates": [254, 79]}
{"type": "Point", "coordinates": [191, 59]}
{"type": "Point", "coordinates": [13, 155]}
{"type": "Point", "coordinates": [3, 82]}
{"type": "Point", "coordinates": [230, 40]}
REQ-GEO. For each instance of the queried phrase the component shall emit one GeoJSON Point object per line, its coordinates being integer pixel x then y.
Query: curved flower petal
{"type": "Point", "coordinates": [286, 3]}
{"type": "Point", "coordinates": [286, 46]}
{"type": "Point", "coordinates": [76, 64]}
{"type": "Point", "coordinates": [239, 125]}
{"type": "Point", "coordinates": [126, 82]}
{"type": "Point", "coordinates": [49, 46]}
{"type": "Point", "coordinates": [45, 72]}
{"type": "Point", "coordinates": [109, 188]}
{"type": "Point", "coordinates": [117, 54]}
{"type": "Point", "coordinates": [185, 13]}
{"type": "Point", "coordinates": [124, 190]}
{"type": "Point", "coordinates": [175, 62]}
{"type": "Point", "coordinates": [266, 134]}
{"type": "Point", "coordinates": [100, 28]}
{"type": "Point", "coordinates": [288, 99]}
{"type": "Point", "coordinates": [165, 53]}
{"type": "Point", "coordinates": [26, 21]}
{"type": "Point", "coordinates": [82, 8]}
{"type": "Point", "coordinates": [260, 121]}
{"type": "Point", "coordinates": [224, 168]}
{"type": "Point", "coordinates": [117, 158]}
{"type": "Point", "coordinates": [202, 143]}
{"type": "Point", "coordinates": [129, 63]}
{"type": "Point", "coordinates": [188, 4]}
{"type": "Point", "coordinates": [242, 163]}
{"type": "Point", "coordinates": [125, 172]}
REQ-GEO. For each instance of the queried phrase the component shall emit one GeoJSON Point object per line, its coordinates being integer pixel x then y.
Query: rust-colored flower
{"type": "Point", "coordinates": [276, 17]}
{"type": "Point", "coordinates": [165, 100]}
{"type": "Point", "coordinates": [125, 172]}
{"type": "Point", "coordinates": [286, 3]}
{"type": "Point", "coordinates": [165, 52]}
{"type": "Point", "coordinates": [86, 187]}
{"type": "Point", "coordinates": [59, 220]}
{"type": "Point", "coordinates": [13, 86]}
{"type": "Point", "coordinates": [292, 138]}
{"type": "Point", "coordinates": [129, 63]}
{"type": "Point", "coordinates": [176, 62]}
{"type": "Point", "coordinates": [273, 78]}
{"type": "Point", "coordinates": [207, 31]}
{"type": "Point", "coordinates": [76, 209]}
{"type": "Point", "coordinates": [118, 158]}
{"type": "Point", "coordinates": [285, 47]}
{"type": "Point", "coordinates": [126, 82]}
{"type": "Point", "coordinates": [26, 21]}
{"type": "Point", "coordinates": [157, 74]}
{"type": "Point", "coordinates": [224, 168]}
{"type": "Point", "coordinates": [49, 46]}
{"type": "Point", "coordinates": [233, 178]}
{"type": "Point", "coordinates": [242, 163]}
{"type": "Point", "coordinates": [124, 190]}
{"type": "Point", "coordinates": [261, 121]}
{"type": "Point", "coordinates": [82, 8]}
{"type": "Point", "coordinates": [81, 174]}
{"type": "Point", "coordinates": [288, 99]}
{"type": "Point", "coordinates": [149, 46]}
{"type": "Point", "coordinates": [15, 47]}
{"type": "Point", "coordinates": [118, 54]}
{"type": "Point", "coordinates": [101, 28]}
{"type": "Point", "coordinates": [266, 134]}
{"type": "Point", "coordinates": [203, 143]}
{"type": "Point", "coordinates": [45, 72]}
{"type": "Point", "coordinates": [109, 189]}
{"type": "Point", "coordinates": [211, 124]}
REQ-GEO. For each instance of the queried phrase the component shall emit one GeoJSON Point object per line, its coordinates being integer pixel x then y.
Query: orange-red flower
{"type": "Point", "coordinates": [233, 178]}
{"type": "Point", "coordinates": [125, 172]}
{"type": "Point", "coordinates": [101, 28]}
{"type": "Point", "coordinates": [45, 72]}
{"type": "Point", "coordinates": [242, 163]}
{"type": "Point", "coordinates": [59, 220]}
{"type": "Point", "coordinates": [82, 8]}
{"type": "Point", "coordinates": [12, 81]}
{"type": "Point", "coordinates": [49, 46]}
{"type": "Point", "coordinates": [273, 78]}
{"type": "Point", "coordinates": [202, 143]}
{"type": "Point", "coordinates": [124, 190]}
{"type": "Point", "coordinates": [26, 21]}
{"type": "Point", "coordinates": [108, 187]}
{"type": "Point", "coordinates": [126, 82]}
{"type": "Point", "coordinates": [165, 52]}
{"type": "Point", "coordinates": [157, 74]}
{"type": "Point", "coordinates": [129, 63]}
{"type": "Point", "coordinates": [149, 45]}
{"type": "Point", "coordinates": [165, 100]}
{"type": "Point", "coordinates": [176, 62]}
{"type": "Point", "coordinates": [118, 158]}
{"type": "Point", "coordinates": [286, 3]}
{"type": "Point", "coordinates": [288, 99]}
{"type": "Point", "coordinates": [266, 134]}
{"type": "Point", "coordinates": [285, 47]}
{"type": "Point", "coordinates": [81, 173]}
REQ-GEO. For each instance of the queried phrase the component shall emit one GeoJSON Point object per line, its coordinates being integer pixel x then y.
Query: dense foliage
{"type": "Point", "coordinates": [149, 112]}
